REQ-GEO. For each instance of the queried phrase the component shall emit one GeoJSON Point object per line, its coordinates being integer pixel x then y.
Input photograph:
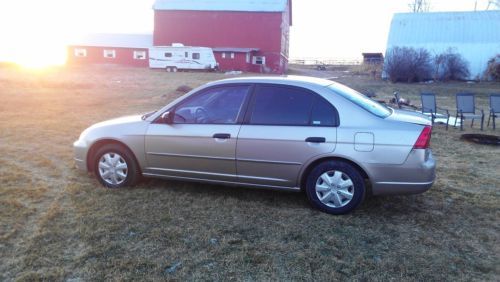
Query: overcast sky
{"type": "Point", "coordinates": [321, 28]}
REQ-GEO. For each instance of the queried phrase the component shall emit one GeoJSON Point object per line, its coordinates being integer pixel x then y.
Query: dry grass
{"type": "Point", "coordinates": [59, 224]}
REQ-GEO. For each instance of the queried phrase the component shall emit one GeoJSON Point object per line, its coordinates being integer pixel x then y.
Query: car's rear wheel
{"type": "Point", "coordinates": [115, 167]}
{"type": "Point", "coordinates": [335, 187]}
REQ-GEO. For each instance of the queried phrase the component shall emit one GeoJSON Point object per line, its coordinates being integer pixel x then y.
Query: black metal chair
{"type": "Point", "coordinates": [429, 107]}
{"type": "Point", "coordinates": [466, 109]}
{"type": "Point", "coordinates": [494, 108]}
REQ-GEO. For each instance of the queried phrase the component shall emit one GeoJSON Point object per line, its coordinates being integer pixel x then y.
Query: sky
{"type": "Point", "coordinates": [36, 31]}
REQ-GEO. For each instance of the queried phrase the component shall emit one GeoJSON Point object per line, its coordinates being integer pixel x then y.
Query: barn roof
{"type": "Point", "coordinates": [222, 5]}
{"type": "Point", "coordinates": [117, 40]}
{"type": "Point", "coordinates": [475, 35]}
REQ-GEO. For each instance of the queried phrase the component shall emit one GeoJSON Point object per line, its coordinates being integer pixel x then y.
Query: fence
{"type": "Point", "coordinates": [330, 62]}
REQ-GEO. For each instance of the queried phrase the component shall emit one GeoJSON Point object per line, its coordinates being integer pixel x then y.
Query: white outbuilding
{"type": "Point", "coordinates": [475, 35]}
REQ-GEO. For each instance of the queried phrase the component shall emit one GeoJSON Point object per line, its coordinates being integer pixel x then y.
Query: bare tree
{"type": "Point", "coordinates": [419, 6]}
{"type": "Point", "coordinates": [450, 65]}
{"type": "Point", "coordinates": [406, 64]}
{"type": "Point", "coordinates": [493, 4]}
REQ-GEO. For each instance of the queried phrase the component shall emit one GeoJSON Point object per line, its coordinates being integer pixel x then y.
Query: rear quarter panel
{"type": "Point", "coordinates": [392, 139]}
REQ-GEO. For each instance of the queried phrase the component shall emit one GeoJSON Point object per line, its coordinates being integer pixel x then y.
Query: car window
{"type": "Point", "coordinates": [361, 100]}
{"type": "Point", "coordinates": [278, 105]}
{"type": "Point", "coordinates": [323, 113]}
{"type": "Point", "coordinates": [221, 105]}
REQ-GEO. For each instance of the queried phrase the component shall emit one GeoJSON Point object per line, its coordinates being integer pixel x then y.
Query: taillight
{"type": "Point", "coordinates": [424, 139]}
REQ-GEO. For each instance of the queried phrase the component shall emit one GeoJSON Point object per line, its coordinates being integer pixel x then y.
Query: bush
{"type": "Point", "coordinates": [450, 66]}
{"type": "Point", "coordinates": [493, 69]}
{"type": "Point", "coordinates": [404, 64]}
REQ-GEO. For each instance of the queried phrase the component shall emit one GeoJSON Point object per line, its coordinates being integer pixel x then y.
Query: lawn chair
{"type": "Point", "coordinates": [494, 108]}
{"type": "Point", "coordinates": [429, 107]}
{"type": "Point", "coordinates": [466, 109]}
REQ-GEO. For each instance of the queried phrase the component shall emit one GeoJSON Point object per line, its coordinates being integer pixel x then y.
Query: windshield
{"type": "Point", "coordinates": [361, 100]}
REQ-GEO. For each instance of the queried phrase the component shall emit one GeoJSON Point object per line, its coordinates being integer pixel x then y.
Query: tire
{"type": "Point", "coordinates": [336, 182]}
{"type": "Point", "coordinates": [124, 170]}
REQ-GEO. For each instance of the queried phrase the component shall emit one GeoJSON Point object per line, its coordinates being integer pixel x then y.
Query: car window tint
{"type": "Point", "coordinates": [361, 100]}
{"type": "Point", "coordinates": [323, 113]}
{"type": "Point", "coordinates": [276, 105]}
{"type": "Point", "coordinates": [220, 105]}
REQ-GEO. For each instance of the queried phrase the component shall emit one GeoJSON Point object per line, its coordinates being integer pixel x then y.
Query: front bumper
{"type": "Point", "coordinates": [80, 155]}
{"type": "Point", "coordinates": [415, 176]}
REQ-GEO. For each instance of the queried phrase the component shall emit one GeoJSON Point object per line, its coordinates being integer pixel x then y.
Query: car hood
{"type": "Point", "coordinates": [118, 121]}
{"type": "Point", "coordinates": [409, 116]}
{"type": "Point", "coordinates": [115, 129]}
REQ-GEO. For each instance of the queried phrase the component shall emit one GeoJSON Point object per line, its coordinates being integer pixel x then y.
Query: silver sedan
{"type": "Point", "coordinates": [288, 133]}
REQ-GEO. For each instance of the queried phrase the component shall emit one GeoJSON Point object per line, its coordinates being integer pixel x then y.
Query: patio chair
{"type": "Point", "coordinates": [466, 109]}
{"type": "Point", "coordinates": [429, 107]}
{"type": "Point", "coordinates": [494, 108]}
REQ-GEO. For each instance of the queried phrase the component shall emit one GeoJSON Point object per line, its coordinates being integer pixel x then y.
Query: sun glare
{"type": "Point", "coordinates": [35, 43]}
{"type": "Point", "coordinates": [42, 57]}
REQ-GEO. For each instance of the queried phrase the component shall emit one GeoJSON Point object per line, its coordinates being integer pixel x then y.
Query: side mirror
{"type": "Point", "coordinates": [168, 117]}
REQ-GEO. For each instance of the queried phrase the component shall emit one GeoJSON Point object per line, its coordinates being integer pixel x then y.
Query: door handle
{"type": "Point", "coordinates": [316, 139]}
{"type": "Point", "coordinates": [222, 135]}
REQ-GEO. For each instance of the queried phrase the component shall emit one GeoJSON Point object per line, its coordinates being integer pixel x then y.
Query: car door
{"type": "Point", "coordinates": [200, 143]}
{"type": "Point", "coordinates": [284, 128]}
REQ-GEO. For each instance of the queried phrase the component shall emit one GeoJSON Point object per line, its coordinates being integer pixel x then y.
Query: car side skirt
{"type": "Point", "coordinates": [228, 183]}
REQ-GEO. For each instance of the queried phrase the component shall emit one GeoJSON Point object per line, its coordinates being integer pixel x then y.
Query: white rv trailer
{"type": "Point", "coordinates": [180, 57]}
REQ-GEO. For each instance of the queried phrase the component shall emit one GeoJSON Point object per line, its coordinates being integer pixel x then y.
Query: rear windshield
{"type": "Point", "coordinates": [361, 100]}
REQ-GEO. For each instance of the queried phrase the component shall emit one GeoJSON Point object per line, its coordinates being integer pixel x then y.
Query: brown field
{"type": "Point", "coordinates": [60, 224]}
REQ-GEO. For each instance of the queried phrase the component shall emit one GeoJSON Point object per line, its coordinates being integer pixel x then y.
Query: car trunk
{"type": "Point", "coordinates": [409, 116]}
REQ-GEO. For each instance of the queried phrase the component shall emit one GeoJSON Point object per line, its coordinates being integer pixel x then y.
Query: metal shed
{"type": "Point", "coordinates": [475, 35]}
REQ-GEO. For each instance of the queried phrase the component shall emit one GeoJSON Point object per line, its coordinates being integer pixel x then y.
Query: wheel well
{"type": "Point", "coordinates": [316, 162]}
{"type": "Point", "coordinates": [93, 149]}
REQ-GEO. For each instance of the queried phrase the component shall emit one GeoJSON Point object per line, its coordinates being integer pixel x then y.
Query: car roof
{"type": "Point", "coordinates": [288, 80]}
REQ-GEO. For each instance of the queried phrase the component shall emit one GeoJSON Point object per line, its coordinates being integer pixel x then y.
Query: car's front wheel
{"type": "Point", "coordinates": [115, 167]}
{"type": "Point", "coordinates": [335, 187]}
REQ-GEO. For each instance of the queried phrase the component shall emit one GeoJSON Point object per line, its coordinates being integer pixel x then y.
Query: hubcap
{"type": "Point", "coordinates": [334, 189]}
{"type": "Point", "coordinates": [113, 168]}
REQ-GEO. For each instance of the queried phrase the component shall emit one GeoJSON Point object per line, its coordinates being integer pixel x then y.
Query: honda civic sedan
{"type": "Point", "coordinates": [286, 133]}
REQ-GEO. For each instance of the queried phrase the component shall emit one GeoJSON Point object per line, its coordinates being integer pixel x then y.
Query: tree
{"type": "Point", "coordinates": [405, 64]}
{"type": "Point", "coordinates": [419, 6]}
{"type": "Point", "coordinates": [493, 70]}
{"type": "Point", "coordinates": [494, 4]}
{"type": "Point", "coordinates": [450, 65]}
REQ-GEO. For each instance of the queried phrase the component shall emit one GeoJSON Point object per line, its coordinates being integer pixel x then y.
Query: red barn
{"type": "Point", "coordinates": [245, 35]}
{"type": "Point", "coordinates": [122, 49]}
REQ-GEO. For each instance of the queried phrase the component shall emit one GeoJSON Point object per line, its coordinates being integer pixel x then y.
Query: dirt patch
{"type": "Point", "coordinates": [483, 139]}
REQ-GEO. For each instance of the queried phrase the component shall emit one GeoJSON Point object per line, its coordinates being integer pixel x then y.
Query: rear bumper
{"type": "Point", "coordinates": [415, 176]}
{"type": "Point", "coordinates": [401, 188]}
